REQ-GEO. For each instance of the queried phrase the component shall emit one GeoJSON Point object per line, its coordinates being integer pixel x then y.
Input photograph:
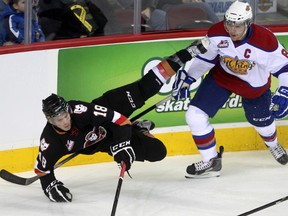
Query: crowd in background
{"type": "Point", "coordinates": [65, 19]}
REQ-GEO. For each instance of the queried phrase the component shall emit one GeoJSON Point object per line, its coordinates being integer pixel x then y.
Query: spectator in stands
{"type": "Point", "coordinates": [62, 19]}
{"type": "Point", "coordinates": [3, 5]}
{"type": "Point", "coordinates": [13, 25]}
{"type": "Point", "coordinates": [154, 17]}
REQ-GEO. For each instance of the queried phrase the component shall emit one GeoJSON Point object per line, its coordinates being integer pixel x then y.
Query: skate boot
{"type": "Point", "coordinates": [279, 154]}
{"type": "Point", "coordinates": [144, 126]}
{"type": "Point", "coordinates": [206, 169]}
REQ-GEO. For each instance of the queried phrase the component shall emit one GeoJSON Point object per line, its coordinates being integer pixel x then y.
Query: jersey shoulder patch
{"type": "Point", "coordinates": [262, 38]}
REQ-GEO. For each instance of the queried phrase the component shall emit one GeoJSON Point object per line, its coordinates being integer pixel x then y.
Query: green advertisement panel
{"type": "Point", "coordinates": [86, 73]}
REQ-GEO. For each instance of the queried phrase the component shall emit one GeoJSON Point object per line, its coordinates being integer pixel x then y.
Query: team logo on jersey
{"type": "Point", "coordinates": [70, 145]}
{"type": "Point", "coordinates": [43, 145]}
{"type": "Point", "coordinates": [95, 136]}
{"type": "Point", "coordinates": [80, 108]}
{"type": "Point", "coordinates": [223, 44]}
{"type": "Point", "coordinates": [74, 132]}
{"type": "Point", "coordinates": [236, 65]}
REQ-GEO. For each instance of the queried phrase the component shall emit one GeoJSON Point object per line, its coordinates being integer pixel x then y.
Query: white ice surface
{"type": "Point", "coordinates": [248, 180]}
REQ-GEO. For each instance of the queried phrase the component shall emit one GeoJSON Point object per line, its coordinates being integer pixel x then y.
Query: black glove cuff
{"type": "Point", "coordinates": [46, 180]}
{"type": "Point", "coordinates": [177, 60]}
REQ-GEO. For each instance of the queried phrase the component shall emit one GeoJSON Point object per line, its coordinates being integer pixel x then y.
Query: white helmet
{"type": "Point", "coordinates": [239, 13]}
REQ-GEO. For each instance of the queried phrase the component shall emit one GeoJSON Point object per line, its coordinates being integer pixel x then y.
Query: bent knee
{"type": "Point", "coordinates": [197, 119]}
{"type": "Point", "coordinates": [157, 153]}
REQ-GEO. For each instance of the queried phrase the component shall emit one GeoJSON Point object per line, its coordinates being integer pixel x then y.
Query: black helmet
{"type": "Point", "coordinates": [54, 105]}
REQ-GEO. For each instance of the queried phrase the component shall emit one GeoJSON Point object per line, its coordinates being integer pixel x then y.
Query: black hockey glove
{"type": "Point", "coordinates": [123, 152]}
{"type": "Point", "coordinates": [56, 192]}
{"type": "Point", "coordinates": [54, 189]}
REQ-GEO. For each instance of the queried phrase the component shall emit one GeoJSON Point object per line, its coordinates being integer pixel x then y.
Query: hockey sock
{"type": "Point", "coordinates": [150, 84]}
{"type": "Point", "coordinates": [202, 132]}
{"type": "Point", "coordinates": [268, 134]}
{"type": "Point", "coordinates": [206, 145]}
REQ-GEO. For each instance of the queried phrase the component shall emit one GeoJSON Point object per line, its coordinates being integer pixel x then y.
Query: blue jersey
{"type": "Point", "coordinates": [13, 28]}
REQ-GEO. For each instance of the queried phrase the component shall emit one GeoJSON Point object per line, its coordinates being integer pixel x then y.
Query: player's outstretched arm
{"type": "Point", "coordinates": [181, 86]}
{"type": "Point", "coordinates": [169, 66]}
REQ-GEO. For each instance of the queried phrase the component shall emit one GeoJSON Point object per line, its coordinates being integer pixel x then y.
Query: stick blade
{"type": "Point", "coordinates": [10, 177]}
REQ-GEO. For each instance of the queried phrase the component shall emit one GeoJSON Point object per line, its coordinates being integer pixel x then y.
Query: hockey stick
{"type": "Point", "coordinates": [10, 177]}
{"type": "Point", "coordinates": [123, 168]}
{"type": "Point", "coordinates": [151, 108]}
{"type": "Point", "coordinates": [121, 177]}
{"type": "Point", "coordinates": [264, 206]}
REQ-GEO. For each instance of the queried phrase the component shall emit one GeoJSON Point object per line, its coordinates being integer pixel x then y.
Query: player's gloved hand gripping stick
{"type": "Point", "coordinates": [181, 86]}
{"type": "Point", "coordinates": [279, 103]}
{"type": "Point", "coordinates": [123, 152]}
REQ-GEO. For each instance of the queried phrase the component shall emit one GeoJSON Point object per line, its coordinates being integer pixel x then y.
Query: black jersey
{"type": "Point", "coordinates": [91, 124]}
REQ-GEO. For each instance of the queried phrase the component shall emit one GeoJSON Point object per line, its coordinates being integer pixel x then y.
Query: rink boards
{"type": "Point", "coordinates": [233, 139]}
{"type": "Point", "coordinates": [82, 73]}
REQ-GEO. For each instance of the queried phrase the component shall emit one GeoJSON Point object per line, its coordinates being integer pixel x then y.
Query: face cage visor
{"type": "Point", "coordinates": [62, 115]}
{"type": "Point", "coordinates": [67, 109]}
{"type": "Point", "coordinates": [230, 23]}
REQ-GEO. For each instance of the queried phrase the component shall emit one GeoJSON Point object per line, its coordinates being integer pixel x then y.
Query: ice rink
{"type": "Point", "coordinates": [248, 180]}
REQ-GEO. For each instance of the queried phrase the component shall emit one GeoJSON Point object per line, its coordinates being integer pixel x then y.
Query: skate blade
{"type": "Point", "coordinates": [204, 175]}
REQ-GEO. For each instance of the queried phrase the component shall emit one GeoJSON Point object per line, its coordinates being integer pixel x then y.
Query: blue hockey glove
{"type": "Point", "coordinates": [279, 104]}
{"type": "Point", "coordinates": [181, 86]}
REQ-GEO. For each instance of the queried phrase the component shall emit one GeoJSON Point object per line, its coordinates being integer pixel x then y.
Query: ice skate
{"type": "Point", "coordinates": [143, 126]}
{"type": "Point", "coordinates": [279, 154]}
{"type": "Point", "coordinates": [206, 169]}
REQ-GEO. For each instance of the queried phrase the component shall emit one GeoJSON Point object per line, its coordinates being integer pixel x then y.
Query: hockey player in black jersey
{"type": "Point", "coordinates": [103, 126]}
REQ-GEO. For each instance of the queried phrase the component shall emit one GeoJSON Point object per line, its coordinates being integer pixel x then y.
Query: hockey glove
{"type": "Point", "coordinates": [56, 192]}
{"type": "Point", "coordinates": [55, 189]}
{"type": "Point", "coordinates": [279, 104]}
{"type": "Point", "coordinates": [123, 152]}
{"type": "Point", "coordinates": [181, 86]}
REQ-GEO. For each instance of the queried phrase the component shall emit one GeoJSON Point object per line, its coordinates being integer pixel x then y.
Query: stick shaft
{"type": "Point", "coordinates": [10, 177]}
{"type": "Point", "coordinates": [264, 206]}
{"type": "Point", "coordinates": [117, 194]}
{"type": "Point", "coordinates": [151, 108]}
